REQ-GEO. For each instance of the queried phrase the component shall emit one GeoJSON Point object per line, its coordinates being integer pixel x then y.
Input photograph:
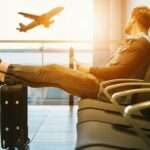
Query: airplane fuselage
{"type": "Point", "coordinates": [45, 19]}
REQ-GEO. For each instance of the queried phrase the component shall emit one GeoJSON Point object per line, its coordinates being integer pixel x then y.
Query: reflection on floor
{"type": "Point", "coordinates": [52, 127]}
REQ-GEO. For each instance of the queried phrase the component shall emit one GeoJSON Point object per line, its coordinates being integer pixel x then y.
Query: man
{"type": "Point", "coordinates": [131, 61]}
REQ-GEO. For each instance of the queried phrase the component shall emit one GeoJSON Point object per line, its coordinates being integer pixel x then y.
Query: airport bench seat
{"type": "Point", "coordinates": [113, 125]}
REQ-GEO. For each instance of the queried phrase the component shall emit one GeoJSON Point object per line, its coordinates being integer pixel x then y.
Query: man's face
{"type": "Point", "coordinates": [133, 27]}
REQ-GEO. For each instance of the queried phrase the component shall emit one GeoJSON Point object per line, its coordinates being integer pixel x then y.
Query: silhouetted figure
{"type": "Point", "coordinates": [44, 19]}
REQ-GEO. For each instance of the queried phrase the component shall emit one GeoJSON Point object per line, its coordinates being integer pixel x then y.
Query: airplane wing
{"type": "Point", "coordinates": [54, 12]}
{"type": "Point", "coordinates": [31, 16]}
{"type": "Point", "coordinates": [24, 28]}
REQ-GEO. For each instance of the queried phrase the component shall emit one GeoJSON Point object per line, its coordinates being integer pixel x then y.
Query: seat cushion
{"type": "Point", "coordinates": [93, 114]}
{"type": "Point", "coordinates": [98, 148]}
{"type": "Point", "coordinates": [95, 133]}
{"type": "Point", "coordinates": [100, 105]}
{"type": "Point", "coordinates": [97, 104]}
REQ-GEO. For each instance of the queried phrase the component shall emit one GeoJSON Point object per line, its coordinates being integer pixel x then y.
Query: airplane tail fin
{"type": "Point", "coordinates": [21, 27]}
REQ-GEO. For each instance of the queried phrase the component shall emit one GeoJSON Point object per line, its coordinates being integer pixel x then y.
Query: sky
{"type": "Point", "coordinates": [75, 22]}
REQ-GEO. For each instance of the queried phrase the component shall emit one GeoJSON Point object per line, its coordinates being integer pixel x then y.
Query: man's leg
{"type": "Point", "coordinates": [73, 81]}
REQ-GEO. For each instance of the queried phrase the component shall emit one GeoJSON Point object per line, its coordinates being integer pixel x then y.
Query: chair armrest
{"type": "Point", "coordinates": [120, 85]}
{"type": "Point", "coordinates": [117, 95]}
{"type": "Point", "coordinates": [129, 110]}
{"type": "Point", "coordinates": [104, 84]}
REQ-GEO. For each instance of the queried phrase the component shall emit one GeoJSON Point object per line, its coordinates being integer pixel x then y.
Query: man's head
{"type": "Point", "coordinates": [139, 20]}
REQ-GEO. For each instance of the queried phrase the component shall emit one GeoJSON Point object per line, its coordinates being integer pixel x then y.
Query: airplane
{"type": "Point", "coordinates": [44, 19]}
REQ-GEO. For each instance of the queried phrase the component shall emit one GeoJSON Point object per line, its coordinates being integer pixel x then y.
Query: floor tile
{"type": "Point", "coordinates": [52, 127]}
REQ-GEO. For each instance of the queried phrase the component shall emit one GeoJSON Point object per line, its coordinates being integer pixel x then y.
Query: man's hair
{"type": "Point", "coordinates": [142, 15]}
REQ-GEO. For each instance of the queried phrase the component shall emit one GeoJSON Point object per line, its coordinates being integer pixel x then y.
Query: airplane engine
{"type": "Point", "coordinates": [47, 24]}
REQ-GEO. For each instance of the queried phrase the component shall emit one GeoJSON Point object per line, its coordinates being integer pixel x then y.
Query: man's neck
{"type": "Point", "coordinates": [138, 35]}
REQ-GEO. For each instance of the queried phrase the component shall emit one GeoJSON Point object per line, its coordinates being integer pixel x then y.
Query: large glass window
{"type": "Point", "coordinates": [73, 27]}
{"type": "Point", "coordinates": [73, 23]}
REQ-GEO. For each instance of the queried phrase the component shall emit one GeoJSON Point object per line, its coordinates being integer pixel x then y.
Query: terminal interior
{"type": "Point", "coordinates": [93, 29]}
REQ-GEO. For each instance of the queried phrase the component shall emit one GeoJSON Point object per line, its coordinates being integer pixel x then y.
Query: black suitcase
{"type": "Point", "coordinates": [14, 124]}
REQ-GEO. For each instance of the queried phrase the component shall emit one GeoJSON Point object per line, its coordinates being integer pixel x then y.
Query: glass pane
{"type": "Point", "coordinates": [72, 28]}
{"type": "Point", "coordinates": [73, 23]}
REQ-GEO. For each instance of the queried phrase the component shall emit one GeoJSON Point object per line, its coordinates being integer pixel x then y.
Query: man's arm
{"type": "Point", "coordinates": [132, 62]}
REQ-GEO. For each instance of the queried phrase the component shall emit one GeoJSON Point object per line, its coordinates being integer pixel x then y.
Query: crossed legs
{"type": "Point", "coordinates": [76, 82]}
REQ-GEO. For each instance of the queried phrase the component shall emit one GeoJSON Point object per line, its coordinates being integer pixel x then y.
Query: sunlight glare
{"type": "Point", "coordinates": [74, 23]}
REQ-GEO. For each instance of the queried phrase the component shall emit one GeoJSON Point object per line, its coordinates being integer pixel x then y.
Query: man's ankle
{"type": "Point", "coordinates": [4, 66]}
{"type": "Point", "coordinates": [3, 69]}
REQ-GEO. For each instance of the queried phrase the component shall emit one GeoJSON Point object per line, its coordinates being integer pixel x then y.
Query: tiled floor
{"type": "Point", "coordinates": [52, 127]}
